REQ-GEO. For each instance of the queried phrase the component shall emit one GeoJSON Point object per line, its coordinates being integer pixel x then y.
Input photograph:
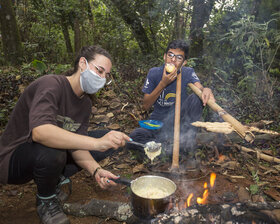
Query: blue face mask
{"type": "Point", "coordinates": [90, 81]}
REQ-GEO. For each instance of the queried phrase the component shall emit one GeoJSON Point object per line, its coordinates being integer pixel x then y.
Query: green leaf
{"type": "Point", "coordinates": [254, 189]}
{"type": "Point", "coordinates": [39, 66]}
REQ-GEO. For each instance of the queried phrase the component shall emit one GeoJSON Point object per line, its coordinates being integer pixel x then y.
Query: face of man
{"type": "Point", "coordinates": [176, 57]}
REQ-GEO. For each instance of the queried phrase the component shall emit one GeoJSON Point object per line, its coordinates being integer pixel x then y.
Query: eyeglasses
{"type": "Point", "coordinates": [101, 71]}
{"type": "Point", "coordinates": [178, 57]}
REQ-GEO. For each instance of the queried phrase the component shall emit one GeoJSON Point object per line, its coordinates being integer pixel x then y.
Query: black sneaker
{"type": "Point", "coordinates": [63, 189]}
{"type": "Point", "coordinates": [50, 211]}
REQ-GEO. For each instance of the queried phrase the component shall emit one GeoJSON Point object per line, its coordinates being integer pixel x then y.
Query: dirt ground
{"type": "Point", "coordinates": [17, 203]}
{"type": "Point", "coordinates": [240, 176]}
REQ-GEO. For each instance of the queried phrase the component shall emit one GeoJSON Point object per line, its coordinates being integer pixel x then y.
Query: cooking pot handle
{"type": "Point", "coordinates": [123, 181]}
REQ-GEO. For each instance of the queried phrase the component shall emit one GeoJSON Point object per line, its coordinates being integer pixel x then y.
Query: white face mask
{"type": "Point", "coordinates": [90, 81]}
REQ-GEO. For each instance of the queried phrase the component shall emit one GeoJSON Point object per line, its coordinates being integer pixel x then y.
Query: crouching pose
{"type": "Point", "coordinates": [46, 138]}
{"type": "Point", "coordinates": [159, 92]}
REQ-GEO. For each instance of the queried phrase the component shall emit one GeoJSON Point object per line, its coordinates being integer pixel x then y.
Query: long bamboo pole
{"type": "Point", "coordinates": [176, 143]}
{"type": "Point", "coordinates": [239, 128]}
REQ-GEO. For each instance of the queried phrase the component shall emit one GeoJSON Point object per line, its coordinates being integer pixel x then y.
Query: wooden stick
{"type": "Point", "coordinates": [260, 155]}
{"type": "Point", "coordinates": [176, 145]}
{"type": "Point", "coordinates": [239, 128]}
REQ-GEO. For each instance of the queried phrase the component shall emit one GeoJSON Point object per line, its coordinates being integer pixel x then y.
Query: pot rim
{"type": "Point", "coordinates": [153, 176]}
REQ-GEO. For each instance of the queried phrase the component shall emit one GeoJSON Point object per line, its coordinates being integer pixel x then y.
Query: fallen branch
{"type": "Point", "coordinates": [206, 138]}
{"type": "Point", "coordinates": [259, 154]}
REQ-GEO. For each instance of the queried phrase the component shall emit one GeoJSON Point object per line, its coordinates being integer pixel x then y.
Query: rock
{"type": "Point", "coordinates": [243, 195]}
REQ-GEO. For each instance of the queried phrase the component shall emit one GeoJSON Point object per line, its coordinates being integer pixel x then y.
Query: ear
{"type": "Point", "coordinates": [184, 63]}
{"type": "Point", "coordinates": [164, 57]}
{"type": "Point", "coordinates": [82, 63]}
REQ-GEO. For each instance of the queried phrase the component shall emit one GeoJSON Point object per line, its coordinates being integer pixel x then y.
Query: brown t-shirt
{"type": "Point", "coordinates": [48, 100]}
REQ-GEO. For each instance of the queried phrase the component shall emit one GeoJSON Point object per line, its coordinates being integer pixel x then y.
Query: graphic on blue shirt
{"type": "Point", "coordinates": [164, 100]}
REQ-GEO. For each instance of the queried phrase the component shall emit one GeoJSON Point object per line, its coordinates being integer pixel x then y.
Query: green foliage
{"type": "Point", "coordinates": [40, 66]}
{"type": "Point", "coordinates": [254, 189]}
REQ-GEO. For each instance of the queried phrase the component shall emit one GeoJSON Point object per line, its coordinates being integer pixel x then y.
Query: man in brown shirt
{"type": "Point", "coordinates": [46, 136]}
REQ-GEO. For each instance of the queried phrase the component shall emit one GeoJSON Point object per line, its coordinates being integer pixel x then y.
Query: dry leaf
{"type": "Point", "coordinates": [273, 193]}
{"type": "Point", "coordinates": [114, 126]}
{"type": "Point", "coordinates": [100, 119]}
{"type": "Point", "coordinates": [123, 166]}
{"type": "Point", "coordinates": [138, 168]}
{"type": "Point", "coordinates": [110, 115]}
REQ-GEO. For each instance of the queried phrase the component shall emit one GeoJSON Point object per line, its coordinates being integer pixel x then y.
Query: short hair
{"type": "Point", "coordinates": [181, 44]}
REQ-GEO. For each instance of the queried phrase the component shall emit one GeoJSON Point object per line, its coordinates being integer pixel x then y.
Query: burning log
{"type": "Point", "coordinates": [247, 212]}
{"type": "Point", "coordinates": [233, 213]}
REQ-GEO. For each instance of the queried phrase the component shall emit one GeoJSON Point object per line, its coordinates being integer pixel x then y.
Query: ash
{"type": "Point", "coordinates": [218, 214]}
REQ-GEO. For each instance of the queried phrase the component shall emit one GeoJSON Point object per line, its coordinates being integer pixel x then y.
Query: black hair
{"type": "Point", "coordinates": [180, 44]}
{"type": "Point", "coordinates": [89, 53]}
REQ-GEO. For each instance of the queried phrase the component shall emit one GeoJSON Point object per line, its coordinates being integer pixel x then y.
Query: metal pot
{"type": "Point", "coordinates": [147, 207]}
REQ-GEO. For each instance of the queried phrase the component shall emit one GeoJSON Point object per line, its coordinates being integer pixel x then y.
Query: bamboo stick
{"type": "Point", "coordinates": [238, 127]}
{"type": "Point", "coordinates": [259, 154]}
{"type": "Point", "coordinates": [176, 144]}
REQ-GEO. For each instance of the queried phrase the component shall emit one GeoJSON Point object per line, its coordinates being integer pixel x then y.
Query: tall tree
{"type": "Point", "coordinates": [201, 12]}
{"type": "Point", "coordinates": [179, 31]}
{"type": "Point", "coordinates": [134, 22]}
{"type": "Point", "coordinates": [12, 47]}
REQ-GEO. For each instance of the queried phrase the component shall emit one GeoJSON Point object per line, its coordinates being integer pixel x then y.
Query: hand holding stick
{"type": "Point", "coordinates": [238, 127]}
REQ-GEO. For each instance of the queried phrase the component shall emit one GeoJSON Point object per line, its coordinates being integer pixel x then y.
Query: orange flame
{"type": "Point", "coordinates": [212, 179]}
{"type": "Point", "coordinates": [205, 185]}
{"type": "Point", "coordinates": [203, 199]}
{"type": "Point", "coordinates": [189, 199]}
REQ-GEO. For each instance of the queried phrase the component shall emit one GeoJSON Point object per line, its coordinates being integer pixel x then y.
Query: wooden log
{"type": "Point", "coordinates": [239, 128]}
{"type": "Point", "coordinates": [119, 211]}
{"type": "Point", "coordinates": [176, 145]}
{"type": "Point", "coordinates": [259, 154]}
{"type": "Point", "coordinates": [122, 212]}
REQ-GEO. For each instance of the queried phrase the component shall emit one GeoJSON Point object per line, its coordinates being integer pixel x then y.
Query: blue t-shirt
{"type": "Point", "coordinates": [166, 101]}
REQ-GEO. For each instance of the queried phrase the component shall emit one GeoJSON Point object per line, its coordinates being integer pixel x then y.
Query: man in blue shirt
{"type": "Point", "coordinates": [160, 91]}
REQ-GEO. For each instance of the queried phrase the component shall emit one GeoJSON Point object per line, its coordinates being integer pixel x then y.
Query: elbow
{"type": "Point", "coordinates": [37, 135]}
{"type": "Point", "coordinates": [145, 106]}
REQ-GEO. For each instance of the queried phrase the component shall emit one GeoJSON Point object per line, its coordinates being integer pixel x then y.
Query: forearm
{"type": "Point", "coordinates": [85, 160]}
{"type": "Point", "coordinates": [56, 137]}
{"type": "Point", "coordinates": [198, 85]}
{"type": "Point", "coordinates": [149, 99]}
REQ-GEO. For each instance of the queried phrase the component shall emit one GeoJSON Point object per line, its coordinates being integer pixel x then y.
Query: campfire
{"type": "Point", "coordinates": [197, 199]}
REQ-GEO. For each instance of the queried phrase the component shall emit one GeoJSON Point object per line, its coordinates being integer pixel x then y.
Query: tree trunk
{"type": "Point", "coordinates": [66, 35]}
{"type": "Point", "coordinates": [77, 36]}
{"type": "Point", "coordinates": [12, 47]}
{"type": "Point", "coordinates": [201, 12]}
{"type": "Point", "coordinates": [179, 31]}
{"type": "Point", "coordinates": [134, 22]}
